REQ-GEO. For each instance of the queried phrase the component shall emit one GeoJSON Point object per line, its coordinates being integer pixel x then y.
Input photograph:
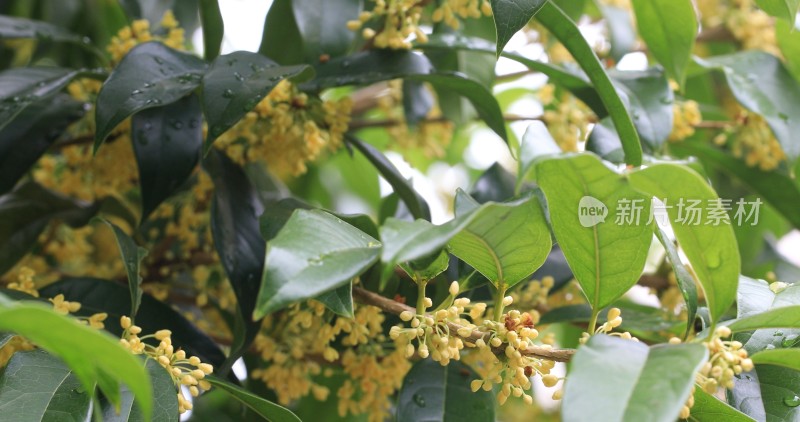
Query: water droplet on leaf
{"type": "Point", "coordinates": [419, 400]}
{"type": "Point", "coordinates": [792, 401]}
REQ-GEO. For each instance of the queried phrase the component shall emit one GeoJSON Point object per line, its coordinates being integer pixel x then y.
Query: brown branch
{"type": "Point", "coordinates": [393, 307]}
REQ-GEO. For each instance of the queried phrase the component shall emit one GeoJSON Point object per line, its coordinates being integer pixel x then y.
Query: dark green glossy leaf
{"type": "Point", "coordinates": [264, 408]}
{"type": "Point", "coordinates": [780, 392]}
{"type": "Point", "coordinates": [213, 28]}
{"type": "Point", "coordinates": [777, 189]}
{"type": "Point", "coordinates": [568, 33]}
{"type": "Point", "coordinates": [606, 258]}
{"type": "Point", "coordinates": [784, 9]}
{"type": "Point", "coordinates": [235, 83]}
{"type": "Point", "coordinates": [464, 203]}
{"type": "Point", "coordinates": [573, 8]}
{"type": "Point", "coordinates": [754, 297]}
{"type": "Point", "coordinates": [72, 341]}
{"type": "Point", "coordinates": [427, 268]}
{"type": "Point", "coordinates": [604, 141]}
{"type": "Point", "coordinates": [710, 248]}
{"type": "Point", "coordinates": [612, 379]}
{"type": "Point", "coordinates": [432, 392]}
{"type": "Point", "coordinates": [323, 26]}
{"type": "Point", "coordinates": [235, 228]}
{"type": "Point", "coordinates": [339, 300]}
{"type": "Point", "coordinates": [512, 15]}
{"type": "Point", "coordinates": [621, 34]}
{"type": "Point", "coordinates": [26, 211]}
{"type": "Point", "coordinates": [708, 408]}
{"type": "Point", "coordinates": [649, 99]}
{"type": "Point", "coordinates": [165, 399]}
{"type": "Point", "coordinates": [13, 27]}
{"type": "Point", "coordinates": [314, 252]}
{"type": "Point", "coordinates": [132, 256]}
{"type": "Point", "coordinates": [761, 84]}
{"type": "Point", "coordinates": [281, 40]}
{"type": "Point", "coordinates": [150, 75]}
{"type": "Point", "coordinates": [669, 28]}
{"type": "Point", "coordinates": [166, 142]}
{"type": "Point", "coordinates": [416, 204]}
{"type": "Point", "coordinates": [37, 386]}
{"type": "Point", "coordinates": [685, 279]}
{"type": "Point", "coordinates": [496, 184]}
{"type": "Point", "coordinates": [25, 139]}
{"type": "Point", "coordinates": [96, 295]}
{"type": "Point", "coordinates": [24, 86]}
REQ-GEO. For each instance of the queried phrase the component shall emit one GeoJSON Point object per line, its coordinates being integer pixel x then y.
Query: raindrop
{"type": "Point", "coordinates": [666, 100]}
{"type": "Point", "coordinates": [713, 260]}
{"type": "Point", "coordinates": [274, 78]}
{"type": "Point", "coordinates": [789, 341]}
{"type": "Point", "coordinates": [345, 64]}
{"type": "Point", "coordinates": [777, 334]}
{"type": "Point", "coordinates": [148, 125]}
{"type": "Point", "coordinates": [769, 347]}
{"type": "Point", "coordinates": [792, 401]}
{"type": "Point", "coordinates": [148, 85]}
{"type": "Point", "coordinates": [158, 60]}
{"type": "Point", "coordinates": [177, 124]}
{"type": "Point", "coordinates": [136, 92]}
{"type": "Point", "coordinates": [193, 123]}
{"type": "Point", "coordinates": [228, 93]}
{"type": "Point", "coordinates": [419, 400]}
{"type": "Point", "coordinates": [232, 62]}
{"type": "Point", "coordinates": [315, 262]}
{"type": "Point", "coordinates": [783, 116]}
{"type": "Point", "coordinates": [238, 76]}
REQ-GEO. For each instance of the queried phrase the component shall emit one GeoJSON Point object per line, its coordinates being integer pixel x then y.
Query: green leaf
{"type": "Point", "coordinates": [606, 258]}
{"type": "Point", "coordinates": [650, 103]}
{"type": "Point", "coordinates": [708, 408]}
{"type": "Point", "coordinates": [504, 242]}
{"type": "Point", "coordinates": [314, 252]}
{"type": "Point", "coordinates": [235, 83]}
{"type": "Point", "coordinates": [432, 392]}
{"type": "Point", "coordinates": [373, 66]}
{"type": "Point", "coordinates": [37, 386]}
{"type": "Point", "coordinates": [132, 255]}
{"type": "Point", "coordinates": [537, 142]}
{"type": "Point", "coordinates": [234, 226]}
{"type": "Point", "coordinates": [788, 38]}
{"type": "Point", "coordinates": [323, 26]}
{"type": "Point", "coordinates": [339, 300]}
{"type": "Point", "coordinates": [761, 84]}
{"type": "Point", "coordinates": [784, 9]}
{"type": "Point", "coordinates": [621, 34]}
{"type": "Point", "coordinates": [685, 279]}
{"type": "Point", "coordinates": [780, 317]}
{"type": "Point", "coordinates": [213, 28]}
{"type": "Point", "coordinates": [165, 399]}
{"type": "Point", "coordinates": [13, 27]}
{"type": "Point", "coordinates": [755, 297]}
{"type": "Point", "coordinates": [26, 211]}
{"type": "Point", "coordinates": [150, 75]}
{"type": "Point", "coordinates": [495, 184]}
{"type": "Point", "coordinates": [568, 33]}
{"type": "Point", "coordinates": [710, 248]}
{"type": "Point", "coordinates": [779, 190]}
{"type": "Point", "coordinates": [669, 28]}
{"type": "Point", "coordinates": [414, 201]}
{"type": "Point", "coordinates": [612, 379]}
{"type": "Point", "coordinates": [787, 358]}
{"type": "Point", "coordinates": [281, 40]}
{"type": "Point", "coordinates": [96, 295]}
{"type": "Point", "coordinates": [264, 408]}
{"type": "Point", "coordinates": [166, 142]}
{"type": "Point", "coordinates": [427, 268]}
{"type": "Point", "coordinates": [21, 87]}
{"type": "Point", "coordinates": [26, 138]}
{"type": "Point", "coordinates": [75, 343]}
{"type": "Point", "coordinates": [512, 15]}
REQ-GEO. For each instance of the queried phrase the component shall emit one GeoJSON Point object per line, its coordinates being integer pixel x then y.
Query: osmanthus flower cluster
{"type": "Point", "coordinates": [185, 371]}
{"type": "Point", "coordinates": [398, 20]}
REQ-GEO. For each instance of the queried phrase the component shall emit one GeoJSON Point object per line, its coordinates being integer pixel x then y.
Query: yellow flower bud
{"type": "Point", "coordinates": [406, 315]}
{"type": "Point", "coordinates": [453, 288]}
{"type": "Point", "coordinates": [549, 380]}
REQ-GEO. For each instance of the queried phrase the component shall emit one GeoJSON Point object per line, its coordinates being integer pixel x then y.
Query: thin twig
{"type": "Point", "coordinates": [394, 307]}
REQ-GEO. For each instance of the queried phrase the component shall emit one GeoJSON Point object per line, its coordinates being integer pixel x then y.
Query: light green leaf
{"type": "Point", "coordinates": [708, 408]}
{"type": "Point", "coordinates": [165, 399]}
{"type": "Point", "coordinates": [150, 75]}
{"type": "Point", "coordinates": [504, 242]}
{"type": "Point", "coordinates": [314, 252]}
{"type": "Point", "coordinates": [95, 357]}
{"type": "Point", "coordinates": [264, 408]}
{"type": "Point", "coordinates": [132, 255]}
{"type": "Point", "coordinates": [788, 38]}
{"type": "Point", "coordinates": [761, 84]}
{"type": "Point", "coordinates": [512, 15]}
{"type": "Point", "coordinates": [780, 317]}
{"type": "Point", "coordinates": [787, 358]}
{"type": "Point", "coordinates": [621, 34]}
{"type": "Point", "coordinates": [432, 392]}
{"type": "Point", "coordinates": [37, 386]}
{"type": "Point", "coordinates": [784, 9]}
{"type": "Point", "coordinates": [612, 379]}
{"type": "Point", "coordinates": [755, 297]}
{"type": "Point", "coordinates": [669, 28]}
{"type": "Point", "coordinates": [562, 27]}
{"type": "Point", "coordinates": [711, 249]}
{"type": "Point", "coordinates": [606, 258]}
{"type": "Point", "coordinates": [427, 268]}
{"type": "Point", "coordinates": [235, 83]}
